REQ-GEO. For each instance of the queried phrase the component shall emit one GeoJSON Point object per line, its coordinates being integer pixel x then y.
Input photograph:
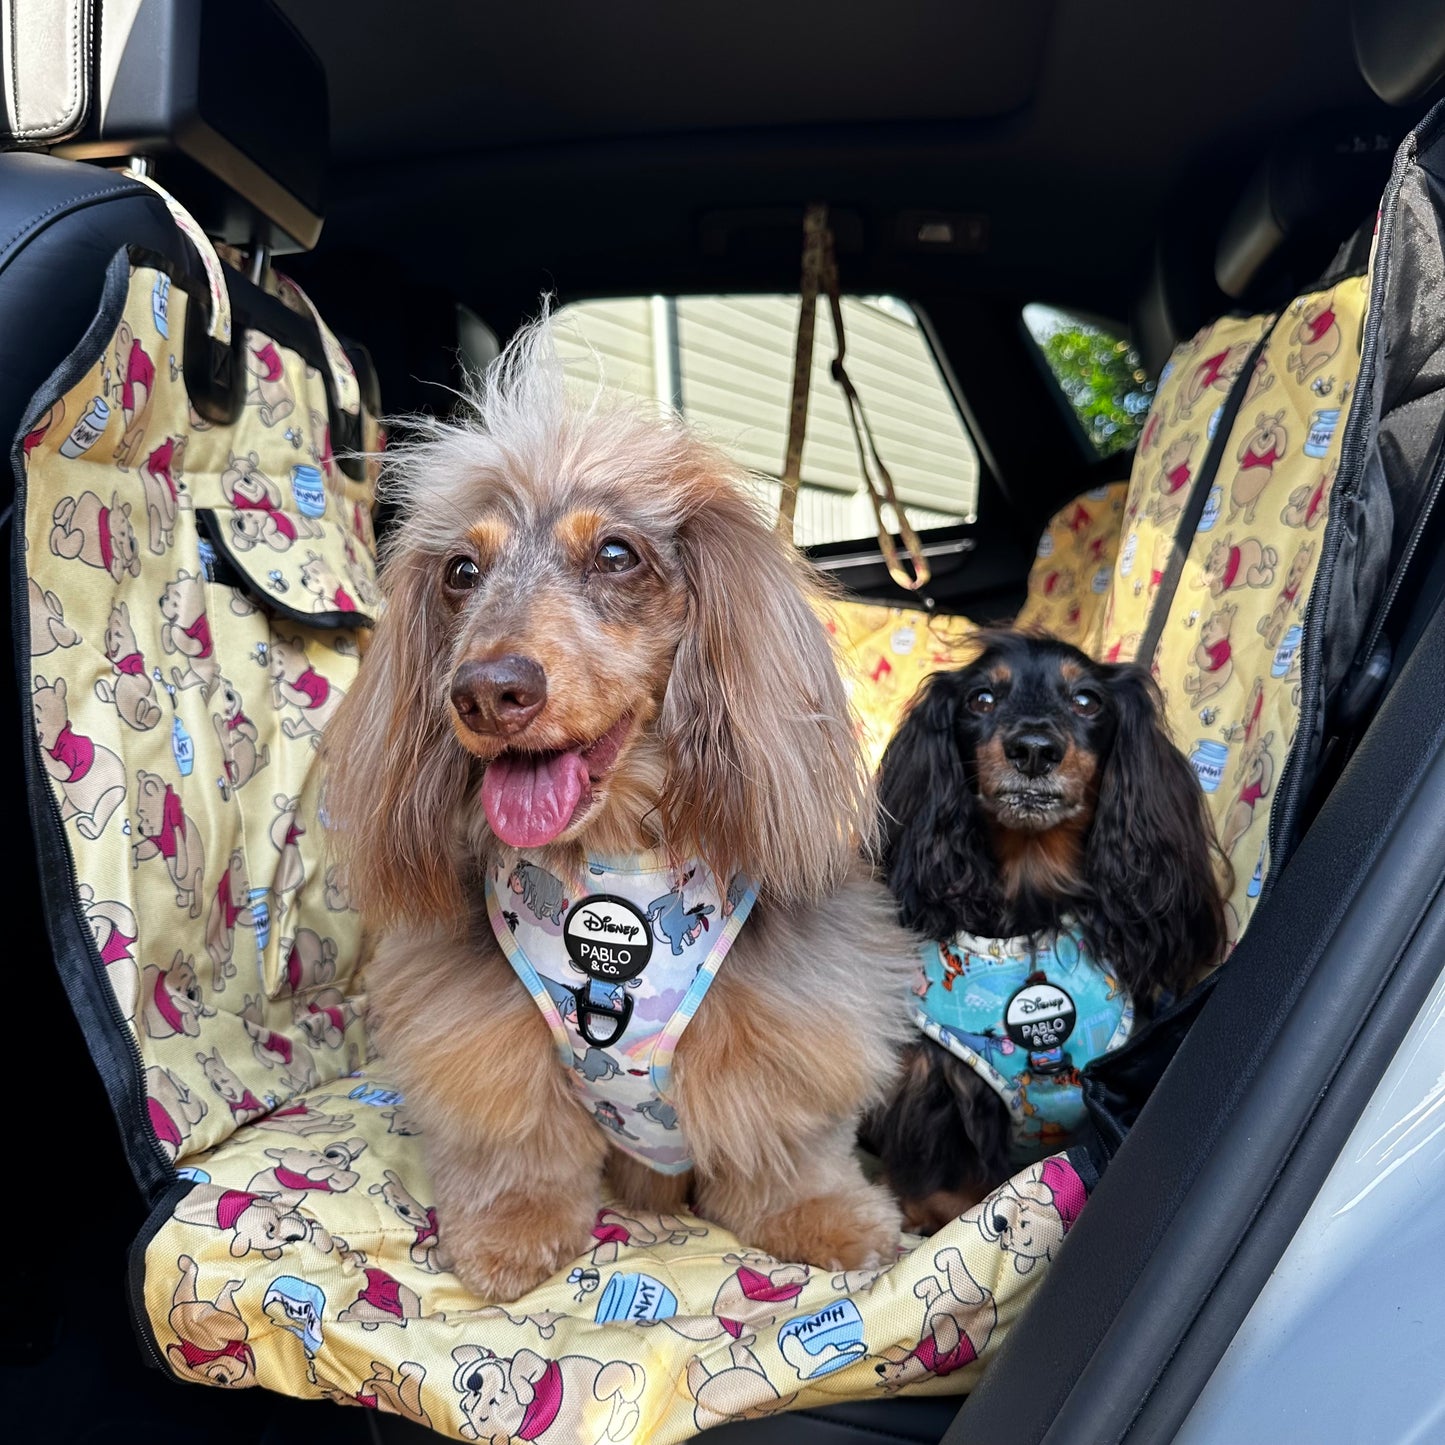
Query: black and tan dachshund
{"type": "Point", "coordinates": [1032, 787]}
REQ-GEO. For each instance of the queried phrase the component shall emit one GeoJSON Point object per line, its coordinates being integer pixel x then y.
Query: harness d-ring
{"type": "Point", "coordinates": [588, 1008]}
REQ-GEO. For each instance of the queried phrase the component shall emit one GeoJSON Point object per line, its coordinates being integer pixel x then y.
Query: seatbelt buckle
{"type": "Point", "coordinates": [1363, 686]}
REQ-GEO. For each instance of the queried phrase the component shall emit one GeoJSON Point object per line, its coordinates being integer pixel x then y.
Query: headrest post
{"type": "Point", "coordinates": [141, 165]}
{"type": "Point", "coordinates": [260, 254]}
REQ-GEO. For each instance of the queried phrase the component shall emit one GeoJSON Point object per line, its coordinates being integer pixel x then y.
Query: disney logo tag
{"type": "Point", "coordinates": [595, 922]}
{"type": "Point", "coordinates": [607, 938]}
{"type": "Point", "coordinates": [1040, 1016]}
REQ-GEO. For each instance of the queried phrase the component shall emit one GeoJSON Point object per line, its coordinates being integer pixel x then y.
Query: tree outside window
{"type": "Point", "coordinates": [1100, 374]}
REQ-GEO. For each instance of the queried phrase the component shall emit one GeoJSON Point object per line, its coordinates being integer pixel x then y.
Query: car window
{"type": "Point", "coordinates": [1099, 372]}
{"type": "Point", "coordinates": [726, 362]}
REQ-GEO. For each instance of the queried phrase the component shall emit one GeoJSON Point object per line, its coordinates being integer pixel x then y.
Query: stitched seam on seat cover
{"type": "Point", "coordinates": [73, 203]}
{"type": "Point", "coordinates": [15, 64]}
{"type": "Point", "coordinates": [22, 132]}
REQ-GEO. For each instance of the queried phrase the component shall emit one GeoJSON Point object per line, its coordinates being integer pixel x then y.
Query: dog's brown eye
{"type": "Point", "coordinates": [1086, 704]}
{"type": "Point", "coordinates": [982, 701]}
{"type": "Point", "coordinates": [615, 556]}
{"type": "Point", "coordinates": [462, 574]}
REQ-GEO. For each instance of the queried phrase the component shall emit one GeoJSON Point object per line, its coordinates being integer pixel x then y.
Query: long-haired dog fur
{"type": "Point", "coordinates": [613, 568]}
{"type": "Point", "coordinates": [1031, 785]}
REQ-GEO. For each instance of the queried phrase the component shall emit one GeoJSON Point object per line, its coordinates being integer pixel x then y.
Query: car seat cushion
{"type": "Point", "coordinates": [304, 1256]}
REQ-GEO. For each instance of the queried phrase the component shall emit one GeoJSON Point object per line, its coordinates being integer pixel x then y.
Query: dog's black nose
{"type": "Point", "coordinates": [499, 696]}
{"type": "Point", "coordinates": [1033, 752]}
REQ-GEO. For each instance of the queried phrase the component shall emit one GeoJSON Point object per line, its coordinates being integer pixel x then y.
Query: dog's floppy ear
{"type": "Point", "coordinates": [764, 770]}
{"type": "Point", "coordinates": [1152, 861]}
{"type": "Point", "coordinates": [934, 844]}
{"type": "Point", "coordinates": [393, 775]}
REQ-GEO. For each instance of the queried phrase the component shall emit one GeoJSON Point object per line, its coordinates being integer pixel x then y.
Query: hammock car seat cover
{"type": "Point", "coordinates": [189, 636]}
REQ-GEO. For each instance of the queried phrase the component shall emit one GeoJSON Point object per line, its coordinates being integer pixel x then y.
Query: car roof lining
{"type": "Point", "coordinates": [592, 171]}
{"type": "Point", "coordinates": [598, 71]}
{"type": "Point", "coordinates": [678, 70]}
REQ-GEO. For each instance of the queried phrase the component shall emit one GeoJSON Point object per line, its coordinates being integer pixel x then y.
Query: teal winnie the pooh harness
{"type": "Point", "coordinates": [1026, 1014]}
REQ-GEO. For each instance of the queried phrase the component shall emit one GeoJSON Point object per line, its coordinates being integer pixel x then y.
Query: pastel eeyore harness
{"type": "Point", "coordinates": [618, 958]}
{"type": "Point", "coordinates": [1026, 1014]}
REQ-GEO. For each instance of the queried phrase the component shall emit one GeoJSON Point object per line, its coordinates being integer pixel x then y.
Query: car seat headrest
{"type": "Point", "coordinates": [1177, 297]}
{"type": "Point", "coordinates": [44, 42]}
{"type": "Point", "coordinates": [224, 97]}
{"type": "Point", "coordinates": [1312, 190]}
{"type": "Point", "coordinates": [1399, 47]}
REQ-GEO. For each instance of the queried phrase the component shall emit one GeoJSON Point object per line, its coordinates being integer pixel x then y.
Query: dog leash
{"type": "Point", "coordinates": [815, 220]}
{"type": "Point", "coordinates": [820, 272]}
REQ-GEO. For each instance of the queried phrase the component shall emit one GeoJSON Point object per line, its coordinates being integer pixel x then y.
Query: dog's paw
{"type": "Point", "coordinates": [852, 1229]}
{"type": "Point", "coordinates": [505, 1273]}
{"type": "Point", "coordinates": [514, 1246]}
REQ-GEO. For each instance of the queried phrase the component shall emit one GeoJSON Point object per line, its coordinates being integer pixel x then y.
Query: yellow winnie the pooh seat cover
{"type": "Point", "coordinates": [1228, 651]}
{"type": "Point", "coordinates": [197, 598]}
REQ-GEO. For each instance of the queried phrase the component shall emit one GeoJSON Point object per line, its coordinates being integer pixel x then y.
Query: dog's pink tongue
{"type": "Point", "coordinates": [530, 800]}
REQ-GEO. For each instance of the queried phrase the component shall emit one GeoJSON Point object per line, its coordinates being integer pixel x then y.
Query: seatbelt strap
{"type": "Point", "coordinates": [820, 272]}
{"type": "Point", "coordinates": [1198, 498]}
{"type": "Point", "coordinates": [880, 491]}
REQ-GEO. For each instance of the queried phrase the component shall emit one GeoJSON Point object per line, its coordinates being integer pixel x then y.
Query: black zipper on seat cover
{"type": "Point", "coordinates": [1359, 428]}
{"type": "Point", "coordinates": [135, 1272]}
{"type": "Point", "coordinates": [1198, 498]}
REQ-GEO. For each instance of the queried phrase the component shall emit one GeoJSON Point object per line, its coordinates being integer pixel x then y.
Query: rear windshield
{"type": "Point", "coordinates": [726, 363]}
